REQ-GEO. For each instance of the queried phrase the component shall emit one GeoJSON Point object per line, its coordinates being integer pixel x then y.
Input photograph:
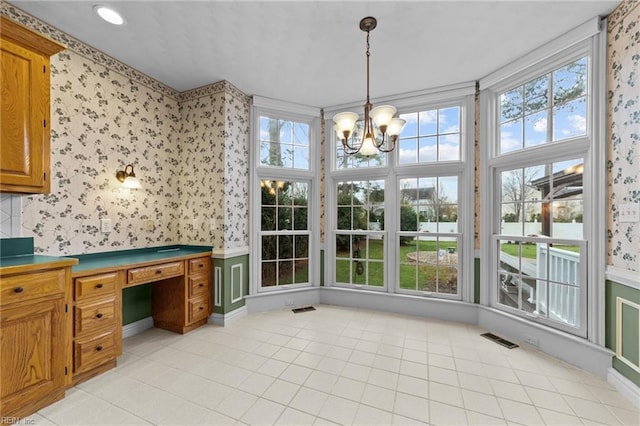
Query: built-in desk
{"type": "Point", "coordinates": [181, 298]}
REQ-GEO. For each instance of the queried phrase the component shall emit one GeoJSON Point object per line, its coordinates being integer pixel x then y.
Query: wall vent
{"type": "Point", "coordinates": [499, 340]}
{"type": "Point", "coordinates": [305, 309]}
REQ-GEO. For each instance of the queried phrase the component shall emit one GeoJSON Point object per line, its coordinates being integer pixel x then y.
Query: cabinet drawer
{"type": "Point", "coordinates": [198, 309]}
{"type": "Point", "coordinates": [94, 316]}
{"type": "Point", "coordinates": [17, 288]}
{"type": "Point", "coordinates": [95, 285]}
{"type": "Point", "coordinates": [199, 265]}
{"type": "Point", "coordinates": [156, 272]}
{"type": "Point", "coordinates": [90, 353]}
{"type": "Point", "coordinates": [198, 285]}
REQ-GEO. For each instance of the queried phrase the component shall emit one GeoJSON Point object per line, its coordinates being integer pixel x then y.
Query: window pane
{"type": "Point", "coordinates": [536, 94]}
{"type": "Point", "coordinates": [511, 136]}
{"type": "Point", "coordinates": [535, 129]}
{"type": "Point", "coordinates": [428, 122]}
{"type": "Point", "coordinates": [286, 132]}
{"type": "Point", "coordinates": [302, 246]}
{"type": "Point", "coordinates": [269, 248]}
{"type": "Point", "coordinates": [300, 218]}
{"type": "Point", "coordinates": [302, 271]}
{"type": "Point", "coordinates": [449, 147]}
{"type": "Point", "coordinates": [511, 104]}
{"type": "Point", "coordinates": [301, 133]}
{"type": "Point", "coordinates": [301, 157]}
{"type": "Point", "coordinates": [284, 218]}
{"type": "Point", "coordinates": [428, 150]}
{"type": "Point", "coordinates": [570, 119]}
{"type": "Point", "coordinates": [268, 274]}
{"type": "Point", "coordinates": [268, 219]}
{"type": "Point", "coordinates": [570, 81]}
{"type": "Point", "coordinates": [285, 247]}
{"type": "Point", "coordinates": [449, 120]}
{"type": "Point", "coordinates": [408, 151]}
{"type": "Point", "coordinates": [285, 272]}
{"type": "Point", "coordinates": [411, 128]}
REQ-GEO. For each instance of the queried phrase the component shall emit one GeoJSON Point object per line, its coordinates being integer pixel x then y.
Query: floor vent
{"type": "Point", "coordinates": [499, 340]}
{"type": "Point", "coordinates": [305, 309]}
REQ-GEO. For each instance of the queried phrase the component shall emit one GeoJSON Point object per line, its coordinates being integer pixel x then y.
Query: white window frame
{"type": "Point", "coordinates": [456, 95]}
{"type": "Point", "coordinates": [585, 40]}
{"type": "Point", "coordinates": [303, 114]}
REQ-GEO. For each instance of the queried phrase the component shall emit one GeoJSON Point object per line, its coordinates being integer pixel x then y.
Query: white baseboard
{"type": "Point", "coordinates": [137, 327]}
{"type": "Point", "coordinates": [225, 319]}
{"type": "Point", "coordinates": [625, 386]}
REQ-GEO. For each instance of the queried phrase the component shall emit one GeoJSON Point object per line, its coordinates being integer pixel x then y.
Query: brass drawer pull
{"type": "Point", "coordinates": [99, 348]}
{"type": "Point", "coordinates": [201, 308]}
{"type": "Point", "coordinates": [18, 289]}
{"type": "Point", "coordinates": [99, 285]}
{"type": "Point", "coordinates": [99, 315]}
{"type": "Point", "coordinates": [201, 285]}
{"type": "Point", "coordinates": [201, 265]}
{"type": "Point", "coordinates": [158, 271]}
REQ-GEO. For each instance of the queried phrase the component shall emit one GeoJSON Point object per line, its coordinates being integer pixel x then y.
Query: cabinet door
{"type": "Point", "coordinates": [25, 108]}
{"type": "Point", "coordinates": [32, 349]}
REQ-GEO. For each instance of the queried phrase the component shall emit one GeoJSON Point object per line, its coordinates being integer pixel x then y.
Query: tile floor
{"type": "Point", "coordinates": [337, 366]}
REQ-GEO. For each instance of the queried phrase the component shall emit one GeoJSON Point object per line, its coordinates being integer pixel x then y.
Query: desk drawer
{"type": "Point", "coordinates": [155, 272]}
{"type": "Point", "coordinates": [94, 316]}
{"type": "Point", "coordinates": [95, 285]}
{"type": "Point", "coordinates": [91, 353]}
{"type": "Point", "coordinates": [18, 288]}
{"type": "Point", "coordinates": [198, 285]}
{"type": "Point", "coordinates": [198, 308]}
{"type": "Point", "coordinates": [199, 265]}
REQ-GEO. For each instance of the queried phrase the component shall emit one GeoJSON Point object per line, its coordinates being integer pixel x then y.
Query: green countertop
{"type": "Point", "coordinates": [127, 257]}
{"type": "Point", "coordinates": [113, 259]}
{"type": "Point", "coordinates": [30, 259]}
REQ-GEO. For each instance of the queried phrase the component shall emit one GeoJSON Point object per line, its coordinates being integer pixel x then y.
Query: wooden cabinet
{"type": "Point", "coordinates": [183, 303]}
{"type": "Point", "coordinates": [25, 125]}
{"type": "Point", "coordinates": [97, 324]}
{"type": "Point", "coordinates": [34, 338]}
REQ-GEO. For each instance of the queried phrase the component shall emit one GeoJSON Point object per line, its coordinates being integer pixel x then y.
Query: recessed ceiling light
{"type": "Point", "coordinates": [109, 15]}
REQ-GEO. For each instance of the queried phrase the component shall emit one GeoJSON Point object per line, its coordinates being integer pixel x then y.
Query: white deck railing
{"type": "Point", "coordinates": [562, 303]}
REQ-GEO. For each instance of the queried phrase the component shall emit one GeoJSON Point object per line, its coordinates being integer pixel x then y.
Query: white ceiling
{"type": "Point", "coordinates": [313, 52]}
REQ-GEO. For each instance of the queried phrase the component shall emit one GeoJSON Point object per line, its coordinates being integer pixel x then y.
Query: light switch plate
{"type": "Point", "coordinates": [629, 212]}
{"type": "Point", "coordinates": [105, 226]}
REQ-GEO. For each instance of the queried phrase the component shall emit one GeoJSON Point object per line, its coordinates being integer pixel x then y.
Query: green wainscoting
{"type": "Point", "coordinates": [136, 303]}
{"type": "Point", "coordinates": [476, 280]}
{"type": "Point", "coordinates": [231, 280]}
{"type": "Point", "coordinates": [321, 268]}
{"type": "Point", "coordinates": [630, 327]}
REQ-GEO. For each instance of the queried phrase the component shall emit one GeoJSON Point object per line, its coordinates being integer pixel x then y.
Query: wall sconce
{"type": "Point", "coordinates": [128, 177]}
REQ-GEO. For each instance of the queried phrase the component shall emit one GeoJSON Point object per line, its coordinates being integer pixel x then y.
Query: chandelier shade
{"type": "Point", "coordinates": [380, 128]}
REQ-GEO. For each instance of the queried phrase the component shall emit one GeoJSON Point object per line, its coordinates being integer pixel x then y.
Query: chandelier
{"type": "Point", "coordinates": [382, 137]}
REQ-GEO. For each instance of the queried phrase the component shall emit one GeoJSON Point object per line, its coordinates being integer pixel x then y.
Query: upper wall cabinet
{"type": "Point", "coordinates": [24, 119]}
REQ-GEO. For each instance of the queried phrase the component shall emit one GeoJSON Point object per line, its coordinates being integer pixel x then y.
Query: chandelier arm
{"type": "Point", "coordinates": [386, 138]}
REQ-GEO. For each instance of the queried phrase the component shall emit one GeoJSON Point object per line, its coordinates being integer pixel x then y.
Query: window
{"type": "Point", "coordinates": [284, 143]}
{"type": "Point", "coordinates": [397, 219]}
{"type": "Point", "coordinates": [540, 127]}
{"type": "Point", "coordinates": [285, 232]}
{"type": "Point", "coordinates": [430, 136]}
{"type": "Point", "coordinates": [359, 239]}
{"type": "Point", "coordinates": [284, 197]}
{"type": "Point", "coordinates": [551, 107]}
{"type": "Point", "coordinates": [429, 238]}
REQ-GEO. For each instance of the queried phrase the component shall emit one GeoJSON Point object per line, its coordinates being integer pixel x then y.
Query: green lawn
{"type": "Point", "coordinates": [529, 250]}
{"type": "Point", "coordinates": [413, 276]}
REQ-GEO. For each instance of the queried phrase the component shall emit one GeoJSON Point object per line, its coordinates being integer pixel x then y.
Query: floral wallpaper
{"type": "Point", "coordinates": [189, 149]}
{"type": "Point", "coordinates": [101, 121]}
{"type": "Point", "coordinates": [236, 173]}
{"type": "Point", "coordinates": [623, 133]}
